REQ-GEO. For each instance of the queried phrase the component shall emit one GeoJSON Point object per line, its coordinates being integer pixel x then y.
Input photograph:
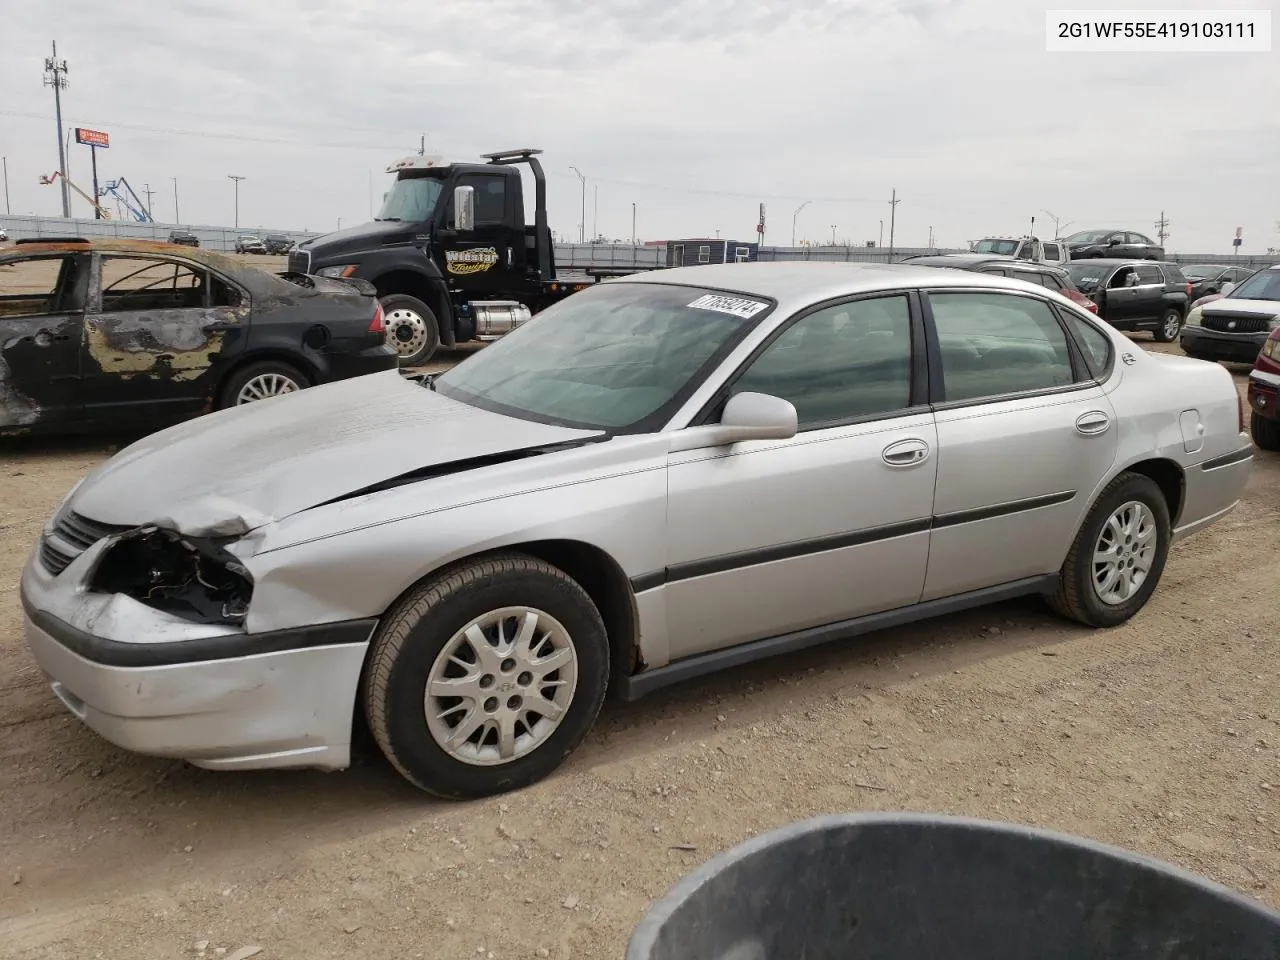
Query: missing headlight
{"type": "Point", "coordinates": [190, 577]}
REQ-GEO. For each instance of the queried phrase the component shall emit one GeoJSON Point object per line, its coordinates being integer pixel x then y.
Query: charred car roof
{"type": "Point", "coordinates": [254, 279]}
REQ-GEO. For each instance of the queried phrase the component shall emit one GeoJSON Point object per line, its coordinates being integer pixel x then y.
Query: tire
{"type": "Point", "coordinates": [1078, 597]}
{"type": "Point", "coordinates": [412, 329]}
{"type": "Point", "coordinates": [273, 379]}
{"type": "Point", "coordinates": [1169, 328]}
{"type": "Point", "coordinates": [1266, 433]}
{"type": "Point", "coordinates": [414, 643]}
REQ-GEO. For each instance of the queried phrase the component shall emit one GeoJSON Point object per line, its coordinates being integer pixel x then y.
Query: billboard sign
{"type": "Point", "coordinates": [92, 138]}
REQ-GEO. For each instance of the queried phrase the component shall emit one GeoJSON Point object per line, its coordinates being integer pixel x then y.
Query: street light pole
{"type": "Point", "coordinates": [582, 225]}
{"type": "Point", "coordinates": [236, 180]}
{"type": "Point", "coordinates": [177, 218]}
{"type": "Point", "coordinates": [633, 219]}
{"type": "Point", "coordinates": [880, 242]}
{"type": "Point", "coordinates": [794, 217]}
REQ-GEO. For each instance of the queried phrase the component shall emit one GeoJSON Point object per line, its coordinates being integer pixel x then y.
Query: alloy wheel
{"type": "Point", "coordinates": [266, 385]}
{"type": "Point", "coordinates": [1124, 553]}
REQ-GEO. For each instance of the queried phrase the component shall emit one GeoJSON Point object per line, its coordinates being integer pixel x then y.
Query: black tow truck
{"type": "Point", "coordinates": [450, 254]}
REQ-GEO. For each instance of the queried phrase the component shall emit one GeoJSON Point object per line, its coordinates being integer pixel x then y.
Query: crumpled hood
{"type": "Point", "coordinates": [229, 472]}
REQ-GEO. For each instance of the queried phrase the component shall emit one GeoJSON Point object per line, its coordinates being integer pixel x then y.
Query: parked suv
{"type": "Point", "coordinates": [184, 238]}
{"type": "Point", "coordinates": [1136, 294]}
{"type": "Point", "coordinates": [1046, 275]}
{"type": "Point", "coordinates": [1235, 327]}
{"type": "Point", "coordinates": [1113, 244]}
{"type": "Point", "coordinates": [1264, 394]}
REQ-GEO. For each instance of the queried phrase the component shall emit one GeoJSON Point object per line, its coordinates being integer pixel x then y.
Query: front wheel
{"type": "Point", "coordinates": [412, 329]}
{"type": "Point", "coordinates": [1170, 326]}
{"type": "Point", "coordinates": [484, 679]}
{"type": "Point", "coordinates": [1118, 556]}
{"type": "Point", "coordinates": [1266, 433]}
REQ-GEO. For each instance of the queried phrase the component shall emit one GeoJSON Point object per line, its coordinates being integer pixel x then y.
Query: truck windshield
{"type": "Point", "coordinates": [411, 200]}
{"type": "Point", "coordinates": [619, 357]}
{"type": "Point", "coordinates": [1006, 248]}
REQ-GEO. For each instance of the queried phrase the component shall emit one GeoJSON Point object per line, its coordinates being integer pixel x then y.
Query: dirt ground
{"type": "Point", "coordinates": [1162, 736]}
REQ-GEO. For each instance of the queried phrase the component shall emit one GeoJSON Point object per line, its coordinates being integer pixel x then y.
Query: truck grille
{"type": "Point", "coordinates": [1237, 322]}
{"type": "Point", "coordinates": [72, 535]}
{"type": "Point", "coordinates": [300, 261]}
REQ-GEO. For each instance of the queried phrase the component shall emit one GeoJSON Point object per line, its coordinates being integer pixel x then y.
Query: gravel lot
{"type": "Point", "coordinates": [1162, 736]}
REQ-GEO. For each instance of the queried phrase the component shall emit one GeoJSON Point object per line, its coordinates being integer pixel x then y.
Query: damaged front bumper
{"type": "Point", "coordinates": [190, 683]}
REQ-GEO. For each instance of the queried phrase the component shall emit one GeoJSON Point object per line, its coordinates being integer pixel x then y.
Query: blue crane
{"type": "Point", "coordinates": [137, 209]}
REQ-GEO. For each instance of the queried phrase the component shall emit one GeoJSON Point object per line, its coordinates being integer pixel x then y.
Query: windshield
{"type": "Point", "coordinates": [1085, 275]}
{"type": "Point", "coordinates": [1003, 247]}
{"type": "Point", "coordinates": [1090, 236]}
{"type": "Point", "coordinates": [411, 200]}
{"type": "Point", "coordinates": [618, 356]}
{"type": "Point", "coordinates": [1263, 285]}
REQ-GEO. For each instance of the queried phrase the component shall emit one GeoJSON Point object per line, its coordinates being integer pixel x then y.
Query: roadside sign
{"type": "Point", "coordinates": [1238, 232]}
{"type": "Point", "coordinates": [92, 138]}
{"type": "Point", "coordinates": [1236, 242]}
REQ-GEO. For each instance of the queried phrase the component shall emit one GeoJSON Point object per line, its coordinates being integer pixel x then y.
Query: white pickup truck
{"type": "Point", "coordinates": [1024, 248]}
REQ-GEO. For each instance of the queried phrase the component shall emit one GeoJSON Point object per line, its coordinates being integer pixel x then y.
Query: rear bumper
{"type": "Point", "coordinates": [1213, 489]}
{"type": "Point", "coordinates": [347, 364]}
{"type": "Point", "coordinates": [1213, 345]}
{"type": "Point", "coordinates": [1264, 394]}
{"type": "Point", "coordinates": [242, 701]}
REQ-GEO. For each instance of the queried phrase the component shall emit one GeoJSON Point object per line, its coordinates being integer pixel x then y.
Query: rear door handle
{"type": "Point", "coordinates": [905, 453]}
{"type": "Point", "coordinates": [1092, 423]}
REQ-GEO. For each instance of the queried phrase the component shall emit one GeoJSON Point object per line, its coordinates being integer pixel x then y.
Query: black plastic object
{"type": "Point", "coordinates": [917, 887]}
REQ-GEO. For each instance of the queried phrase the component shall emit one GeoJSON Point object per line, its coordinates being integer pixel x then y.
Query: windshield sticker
{"type": "Point", "coordinates": [470, 261]}
{"type": "Point", "coordinates": [739, 307]}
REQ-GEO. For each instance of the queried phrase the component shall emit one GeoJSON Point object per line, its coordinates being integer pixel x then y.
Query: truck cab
{"type": "Point", "coordinates": [449, 253]}
{"type": "Point", "coordinates": [1053, 252]}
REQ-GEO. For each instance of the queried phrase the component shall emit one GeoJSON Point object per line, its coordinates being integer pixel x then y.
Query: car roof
{"type": "Point", "coordinates": [255, 279]}
{"type": "Point", "coordinates": [801, 283]}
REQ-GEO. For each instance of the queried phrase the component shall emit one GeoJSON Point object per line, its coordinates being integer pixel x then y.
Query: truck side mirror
{"type": "Point", "coordinates": [464, 209]}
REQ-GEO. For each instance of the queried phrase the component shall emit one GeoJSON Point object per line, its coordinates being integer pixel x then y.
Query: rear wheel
{"type": "Point", "coordinates": [259, 381]}
{"type": "Point", "coordinates": [486, 678]}
{"type": "Point", "coordinates": [1169, 328]}
{"type": "Point", "coordinates": [412, 329]}
{"type": "Point", "coordinates": [1266, 433]}
{"type": "Point", "coordinates": [1118, 555]}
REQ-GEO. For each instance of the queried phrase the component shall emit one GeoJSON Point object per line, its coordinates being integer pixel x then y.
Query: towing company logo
{"type": "Point", "coordinates": [470, 261]}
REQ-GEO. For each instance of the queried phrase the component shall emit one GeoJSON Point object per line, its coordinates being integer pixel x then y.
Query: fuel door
{"type": "Point", "coordinates": [1192, 430]}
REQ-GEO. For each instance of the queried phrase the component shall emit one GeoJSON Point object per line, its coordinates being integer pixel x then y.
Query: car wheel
{"type": "Point", "coordinates": [1266, 433]}
{"type": "Point", "coordinates": [412, 328]}
{"type": "Point", "coordinates": [1169, 328]}
{"type": "Point", "coordinates": [259, 381]}
{"type": "Point", "coordinates": [484, 679]}
{"type": "Point", "coordinates": [1118, 555]}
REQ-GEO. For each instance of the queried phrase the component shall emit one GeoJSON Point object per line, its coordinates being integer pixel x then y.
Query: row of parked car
{"type": "Point", "coordinates": [272, 243]}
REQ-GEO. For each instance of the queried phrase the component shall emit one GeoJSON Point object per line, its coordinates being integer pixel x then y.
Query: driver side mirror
{"type": "Point", "coordinates": [464, 209]}
{"type": "Point", "coordinates": [1113, 242]}
{"type": "Point", "coordinates": [747, 416]}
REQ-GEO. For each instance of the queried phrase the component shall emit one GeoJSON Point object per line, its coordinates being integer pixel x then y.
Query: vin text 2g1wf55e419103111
{"type": "Point", "coordinates": [450, 253]}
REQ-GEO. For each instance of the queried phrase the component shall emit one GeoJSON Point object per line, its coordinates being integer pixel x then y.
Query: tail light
{"type": "Point", "coordinates": [376, 325]}
{"type": "Point", "coordinates": [1189, 289]}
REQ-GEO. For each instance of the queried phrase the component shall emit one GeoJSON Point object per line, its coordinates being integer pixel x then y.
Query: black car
{"type": "Point", "coordinates": [1136, 294]}
{"type": "Point", "coordinates": [1235, 327]}
{"type": "Point", "coordinates": [1210, 278]}
{"type": "Point", "coordinates": [277, 243]}
{"type": "Point", "coordinates": [1055, 278]}
{"type": "Point", "coordinates": [134, 335]}
{"type": "Point", "coordinates": [1113, 244]}
{"type": "Point", "coordinates": [184, 238]}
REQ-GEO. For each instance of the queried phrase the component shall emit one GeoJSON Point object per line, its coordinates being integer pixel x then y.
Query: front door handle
{"type": "Point", "coordinates": [905, 453]}
{"type": "Point", "coordinates": [1092, 423]}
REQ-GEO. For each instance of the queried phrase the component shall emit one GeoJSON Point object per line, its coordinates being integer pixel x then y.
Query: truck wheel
{"type": "Point", "coordinates": [1266, 433]}
{"type": "Point", "coordinates": [1118, 556]}
{"type": "Point", "coordinates": [258, 381]}
{"type": "Point", "coordinates": [485, 678]}
{"type": "Point", "coordinates": [412, 329]}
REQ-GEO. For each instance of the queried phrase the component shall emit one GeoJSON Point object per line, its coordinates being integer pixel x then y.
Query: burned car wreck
{"type": "Point", "coordinates": [656, 478]}
{"type": "Point", "coordinates": [132, 335]}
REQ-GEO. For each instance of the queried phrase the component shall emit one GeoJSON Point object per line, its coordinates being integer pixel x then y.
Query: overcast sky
{"type": "Point", "coordinates": [693, 111]}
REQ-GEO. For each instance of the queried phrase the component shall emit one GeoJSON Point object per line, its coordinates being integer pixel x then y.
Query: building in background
{"type": "Point", "coordinates": [686, 253]}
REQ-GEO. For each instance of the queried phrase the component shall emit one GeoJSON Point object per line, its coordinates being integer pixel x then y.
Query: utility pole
{"type": "Point", "coordinates": [236, 180]}
{"type": "Point", "coordinates": [422, 146]}
{"type": "Point", "coordinates": [880, 242]}
{"type": "Point", "coordinates": [595, 212]}
{"type": "Point", "coordinates": [7, 208]}
{"type": "Point", "coordinates": [582, 224]}
{"type": "Point", "coordinates": [633, 223]}
{"type": "Point", "coordinates": [177, 218]}
{"type": "Point", "coordinates": [146, 188]}
{"type": "Point", "coordinates": [55, 75]}
{"type": "Point", "coordinates": [794, 217]}
{"type": "Point", "coordinates": [931, 238]}
{"type": "Point", "coordinates": [893, 211]}
{"type": "Point", "coordinates": [1162, 228]}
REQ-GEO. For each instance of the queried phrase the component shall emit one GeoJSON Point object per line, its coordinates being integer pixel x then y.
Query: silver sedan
{"type": "Point", "coordinates": [659, 477]}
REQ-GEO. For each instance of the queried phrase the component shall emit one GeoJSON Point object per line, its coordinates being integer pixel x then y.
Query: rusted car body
{"type": "Point", "coordinates": [118, 334]}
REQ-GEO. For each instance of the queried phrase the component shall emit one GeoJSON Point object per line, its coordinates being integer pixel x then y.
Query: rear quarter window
{"type": "Point", "coordinates": [1095, 344]}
